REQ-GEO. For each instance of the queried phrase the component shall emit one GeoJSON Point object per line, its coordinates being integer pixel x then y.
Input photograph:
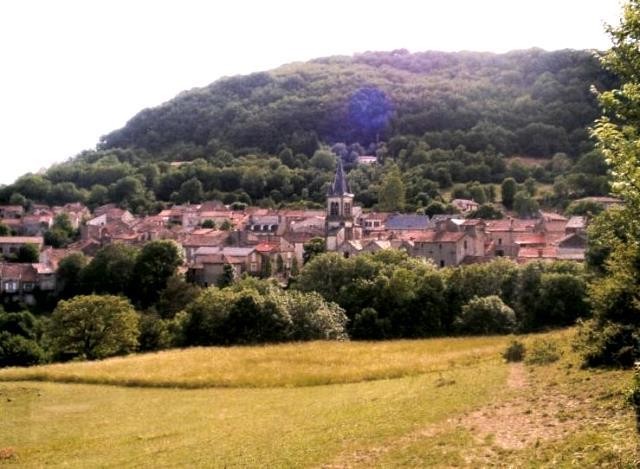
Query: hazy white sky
{"type": "Point", "coordinates": [71, 71]}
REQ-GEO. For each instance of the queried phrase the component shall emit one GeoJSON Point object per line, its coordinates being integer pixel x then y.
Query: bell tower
{"type": "Point", "coordinates": [339, 204]}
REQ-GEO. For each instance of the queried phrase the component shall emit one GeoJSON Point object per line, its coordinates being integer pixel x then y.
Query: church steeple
{"type": "Point", "coordinates": [340, 186]}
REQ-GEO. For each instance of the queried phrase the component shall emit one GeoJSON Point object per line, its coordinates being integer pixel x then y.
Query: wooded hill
{"type": "Point", "coordinates": [441, 117]}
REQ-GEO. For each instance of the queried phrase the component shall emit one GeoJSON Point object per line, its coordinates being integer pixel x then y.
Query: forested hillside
{"type": "Point", "coordinates": [265, 138]}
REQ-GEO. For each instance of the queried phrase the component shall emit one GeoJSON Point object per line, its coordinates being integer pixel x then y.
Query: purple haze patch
{"type": "Point", "coordinates": [369, 112]}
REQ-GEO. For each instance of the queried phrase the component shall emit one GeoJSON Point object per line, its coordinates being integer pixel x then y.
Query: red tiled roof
{"type": "Point", "coordinates": [433, 236]}
{"type": "Point", "coordinates": [530, 238]}
{"type": "Point", "coordinates": [24, 272]}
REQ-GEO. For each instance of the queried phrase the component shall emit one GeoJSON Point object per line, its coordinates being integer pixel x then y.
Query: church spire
{"type": "Point", "coordinates": [340, 185]}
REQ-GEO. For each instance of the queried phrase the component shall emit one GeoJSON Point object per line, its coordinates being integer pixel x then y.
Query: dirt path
{"type": "Point", "coordinates": [527, 417]}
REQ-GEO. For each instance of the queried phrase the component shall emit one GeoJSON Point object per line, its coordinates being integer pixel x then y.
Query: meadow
{"type": "Point", "coordinates": [441, 402]}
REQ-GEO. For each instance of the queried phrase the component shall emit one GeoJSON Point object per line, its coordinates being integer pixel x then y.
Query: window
{"type": "Point", "coordinates": [465, 244]}
{"type": "Point", "coordinates": [334, 209]}
{"type": "Point", "coordinates": [347, 208]}
{"type": "Point", "coordinates": [254, 267]}
{"type": "Point", "coordinates": [441, 263]}
{"type": "Point", "coordinates": [499, 241]}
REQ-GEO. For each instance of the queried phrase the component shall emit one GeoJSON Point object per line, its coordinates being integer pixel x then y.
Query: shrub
{"type": "Point", "coordinates": [543, 352]}
{"type": "Point", "coordinates": [608, 343]}
{"type": "Point", "coordinates": [485, 315]}
{"type": "Point", "coordinates": [515, 352]}
{"type": "Point", "coordinates": [16, 350]}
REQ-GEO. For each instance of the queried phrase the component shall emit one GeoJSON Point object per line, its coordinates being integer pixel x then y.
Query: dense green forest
{"type": "Point", "coordinates": [268, 138]}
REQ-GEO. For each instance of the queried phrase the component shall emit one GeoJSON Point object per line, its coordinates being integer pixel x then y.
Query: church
{"type": "Point", "coordinates": [341, 215]}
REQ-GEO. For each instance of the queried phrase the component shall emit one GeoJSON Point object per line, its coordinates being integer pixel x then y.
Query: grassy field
{"type": "Point", "coordinates": [443, 403]}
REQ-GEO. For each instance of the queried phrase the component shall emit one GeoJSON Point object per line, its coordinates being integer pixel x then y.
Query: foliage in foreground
{"type": "Point", "coordinates": [611, 338]}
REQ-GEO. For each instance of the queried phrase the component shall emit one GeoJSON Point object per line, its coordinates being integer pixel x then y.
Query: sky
{"type": "Point", "coordinates": [73, 70]}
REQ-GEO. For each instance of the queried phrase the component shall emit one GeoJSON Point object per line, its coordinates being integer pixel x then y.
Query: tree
{"type": "Point", "coordinates": [191, 191]}
{"type": "Point", "coordinates": [486, 315]}
{"type": "Point", "coordinates": [93, 327]}
{"type": "Point", "coordinates": [487, 212]}
{"type": "Point", "coordinates": [28, 253]}
{"type": "Point", "coordinates": [228, 276]}
{"type": "Point", "coordinates": [391, 197]}
{"type": "Point", "coordinates": [111, 270]}
{"type": "Point", "coordinates": [312, 248]}
{"type": "Point", "coordinates": [69, 274]}
{"type": "Point", "coordinates": [210, 224]}
{"type": "Point", "coordinates": [4, 230]}
{"type": "Point", "coordinates": [157, 261]}
{"type": "Point", "coordinates": [525, 205]}
{"type": "Point", "coordinates": [18, 339]}
{"type": "Point", "coordinates": [175, 297]}
{"type": "Point", "coordinates": [61, 232]}
{"type": "Point", "coordinates": [612, 336]}
{"type": "Point", "coordinates": [509, 188]}
{"type": "Point", "coordinates": [266, 268]}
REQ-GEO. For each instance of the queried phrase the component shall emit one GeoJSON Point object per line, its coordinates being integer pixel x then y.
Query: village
{"type": "Point", "coordinates": [264, 242]}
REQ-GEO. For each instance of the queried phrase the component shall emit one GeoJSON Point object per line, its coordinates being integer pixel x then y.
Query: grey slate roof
{"type": "Point", "coordinates": [407, 222]}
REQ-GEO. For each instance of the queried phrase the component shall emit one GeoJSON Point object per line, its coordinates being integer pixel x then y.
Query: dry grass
{"type": "Point", "coordinates": [303, 364]}
{"type": "Point", "coordinates": [472, 411]}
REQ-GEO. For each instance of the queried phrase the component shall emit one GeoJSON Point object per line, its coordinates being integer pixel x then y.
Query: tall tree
{"type": "Point", "coordinates": [391, 197]}
{"type": "Point", "coordinates": [157, 261]}
{"type": "Point", "coordinates": [509, 188]}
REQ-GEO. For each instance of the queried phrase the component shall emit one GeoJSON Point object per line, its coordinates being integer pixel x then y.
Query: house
{"type": "Point", "coordinates": [465, 205]}
{"type": "Point", "coordinates": [208, 264]}
{"type": "Point", "coordinates": [193, 242]}
{"type": "Point", "coordinates": [400, 222]}
{"type": "Point", "coordinates": [445, 248]}
{"type": "Point", "coordinates": [10, 245]}
{"type": "Point", "coordinates": [11, 211]}
{"type": "Point", "coordinates": [367, 159]}
{"type": "Point", "coordinates": [503, 234]}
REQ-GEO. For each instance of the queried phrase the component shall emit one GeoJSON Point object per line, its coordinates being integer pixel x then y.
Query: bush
{"type": "Point", "coordinates": [485, 315]}
{"type": "Point", "coordinates": [543, 352]}
{"type": "Point", "coordinates": [515, 352]}
{"type": "Point", "coordinates": [607, 344]}
{"type": "Point", "coordinates": [16, 350]}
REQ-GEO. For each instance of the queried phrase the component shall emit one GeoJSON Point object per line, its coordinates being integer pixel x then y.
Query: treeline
{"type": "Point", "coordinates": [391, 295]}
{"type": "Point", "coordinates": [385, 295]}
{"type": "Point", "coordinates": [127, 178]}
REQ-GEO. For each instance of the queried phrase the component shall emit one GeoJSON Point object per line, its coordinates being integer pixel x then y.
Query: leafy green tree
{"type": "Point", "coordinates": [175, 297]}
{"type": "Point", "coordinates": [156, 263]}
{"type": "Point", "coordinates": [614, 295]}
{"type": "Point", "coordinates": [16, 350]}
{"type": "Point", "coordinates": [391, 197]}
{"type": "Point", "coordinates": [61, 232]}
{"type": "Point", "coordinates": [191, 191]}
{"type": "Point", "coordinates": [93, 327]}
{"type": "Point", "coordinates": [69, 274]}
{"type": "Point", "coordinates": [487, 212]}
{"type": "Point", "coordinates": [295, 269]}
{"type": "Point", "coordinates": [228, 276]}
{"type": "Point", "coordinates": [28, 253]}
{"type": "Point", "coordinates": [4, 230]}
{"type": "Point", "coordinates": [312, 248]}
{"type": "Point", "coordinates": [111, 270]}
{"type": "Point", "coordinates": [209, 224]}
{"type": "Point", "coordinates": [525, 205]}
{"type": "Point", "coordinates": [266, 268]}
{"type": "Point", "coordinates": [508, 189]}
{"type": "Point", "coordinates": [485, 315]}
